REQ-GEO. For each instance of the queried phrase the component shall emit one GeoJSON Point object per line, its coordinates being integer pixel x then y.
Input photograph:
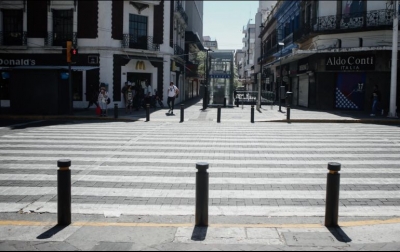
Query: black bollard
{"type": "Point", "coordinates": [219, 114]}
{"type": "Point", "coordinates": [237, 102]}
{"type": "Point", "coordinates": [115, 110]}
{"type": "Point", "coordinates": [224, 102]}
{"type": "Point", "coordinates": [182, 113]}
{"type": "Point", "coordinates": [288, 113]}
{"type": "Point", "coordinates": [202, 187]}
{"type": "Point", "coordinates": [147, 112]}
{"type": "Point", "coordinates": [64, 192]}
{"type": "Point", "coordinates": [252, 113]}
{"type": "Point", "coordinates": [332, 195]}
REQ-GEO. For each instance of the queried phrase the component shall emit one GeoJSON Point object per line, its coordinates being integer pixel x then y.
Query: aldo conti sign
{"type": "Point", "coordinates": [350, 63]}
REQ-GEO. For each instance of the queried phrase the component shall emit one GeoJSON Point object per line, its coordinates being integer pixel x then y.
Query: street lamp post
{"type": "Point", "coordinates": [281, 44]}
{"type": "Point", "coordinates": [261, 70]}
{"type": "Point", "coordinates": [205, 99]}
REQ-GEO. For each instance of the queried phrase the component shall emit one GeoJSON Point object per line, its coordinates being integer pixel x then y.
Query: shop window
{"type": "Point", "coordinates": [12, 27]}
{"type": "Point", "coordinates": [77, 87]}
{"type": "Point", "coordinates": [5, 86]}
{"type": "Point", "coordinates": [138, 31]}
{"type": "Point", "coordinates": [62, 26]}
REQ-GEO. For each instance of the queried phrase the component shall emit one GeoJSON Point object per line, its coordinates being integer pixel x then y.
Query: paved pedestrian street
{"type": "Point", "coordinates": [255, 170]}
{"type": "Point", "coordinates": [262, 170]}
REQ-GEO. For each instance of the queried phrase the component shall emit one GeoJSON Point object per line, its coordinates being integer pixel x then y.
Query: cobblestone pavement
{"type": "Point", "coordinates": [259, 174]}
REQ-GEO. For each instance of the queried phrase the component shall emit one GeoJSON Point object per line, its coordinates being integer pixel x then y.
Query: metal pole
{"type": "Point", "coordinates": [237, 102]}
{"type": "Point", "coordinates": [279, 90]}
{"type": "Point", "coordinates": [219, 114]}
{"type": "Point", "coordinates": [288, 104]}
{"type": "Point", "coordinates": [70, 100]}
{"type": "Point", "coordinates": [64, 192]}
{"type": "Point", "coordinates": [332, 195]}
{"type": "Point", "coordinates": [202, 188]}
{"type": "Point", "coordinates": [115, 110]}
{"type": "Point", "coordinates": [147, 112]}
{"type": "Point", "coordinates": [182, 113]}
{"type": "Point", "coordinates": [252, 113]}
{"type": "Point", "coordinates": [224, 102]}
{"type": "Point", "coordinates": [393, 82]}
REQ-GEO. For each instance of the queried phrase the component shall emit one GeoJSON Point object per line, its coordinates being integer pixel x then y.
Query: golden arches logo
{"type": "Point", "coordinates": [140, 65]}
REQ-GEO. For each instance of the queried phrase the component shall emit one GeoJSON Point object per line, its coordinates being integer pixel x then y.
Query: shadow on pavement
{"type": "Point", "coordinates": [339, 234]}
{"type": "Point", "coordinates": [199, 233]}
{"type": "Point", "coordinates": [51, 232]}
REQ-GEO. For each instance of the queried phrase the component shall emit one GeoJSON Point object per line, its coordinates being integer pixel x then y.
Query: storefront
{"type": "Point", "coordinates": [345, 81]}
{"type": "Point", "coordinates": [39, 83]}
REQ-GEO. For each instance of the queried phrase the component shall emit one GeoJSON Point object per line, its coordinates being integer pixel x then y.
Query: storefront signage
{"type": "Point", "coordinates": [355, 63]}
{"type": "Point", "coordinates": [17, 62]}
{"type": "Point", "coordinates": [303, 68]}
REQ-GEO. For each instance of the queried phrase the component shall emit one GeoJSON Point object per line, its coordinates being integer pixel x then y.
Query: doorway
{"type": "Point", "coordinates": [139, 78]}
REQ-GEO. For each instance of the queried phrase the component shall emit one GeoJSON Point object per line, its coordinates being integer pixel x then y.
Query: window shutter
{"type": "Point", "coordinates": [117, 19]}
{"type": "Point", "coordinates": [88, 14]}
{"type": "Point", "coordinates": [37, 18]}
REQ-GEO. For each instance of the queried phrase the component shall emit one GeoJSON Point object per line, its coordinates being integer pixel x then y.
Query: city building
{"type": "Point", "coordinates": [210, 43]}
{"type": "Point", "coordinates": [239, 56]}
{"type": "Point", "coordinates": [248, 61]}
{"type": "Point", "coordinates": [193, 45]}
{"type": "Point", "coordinates": [118, 41]}
{"type": "Point", "coordinates": [330, 54]}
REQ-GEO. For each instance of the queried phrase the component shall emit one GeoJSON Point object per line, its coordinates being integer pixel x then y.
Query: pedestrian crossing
{"type": "Point", "coordinates": [255, 170]}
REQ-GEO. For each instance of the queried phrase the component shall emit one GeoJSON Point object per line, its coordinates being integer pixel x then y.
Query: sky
{"type": "Point", "coordinates": [224, 21]}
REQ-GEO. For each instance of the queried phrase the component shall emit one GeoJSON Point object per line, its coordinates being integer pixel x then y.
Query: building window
{"type": "Point", "coordinates": [138, 31]}
{"type": "Point", "coordinates": [62, 26]}
{"type": "Point", "coordinates": [12, 27]}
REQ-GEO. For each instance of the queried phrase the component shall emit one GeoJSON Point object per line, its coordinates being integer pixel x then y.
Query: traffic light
{"type": "Point", "coordinates": [69, 47]}
{"type": "Point", "coordinates": [74, 54]}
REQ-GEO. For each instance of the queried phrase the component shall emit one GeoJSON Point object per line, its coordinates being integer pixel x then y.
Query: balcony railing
{"type": "Point", "coordinates": [179, 8]}
{"type": "Point", "coordinates": [178, 51]}
{"type": "Point", "coordinates": [17, 38]}
{"type": "Point", "coordinates": [135, 42]}
{"type": "Point", "coordinates": [288, 40]}
{"type": "Point", "coordinates": [60, 39]}
{"type": "Point", "coordinates": [372, 20]}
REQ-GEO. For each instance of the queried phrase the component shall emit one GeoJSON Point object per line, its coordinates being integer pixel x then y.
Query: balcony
{"type": "Point", "coordinates": [60, 39]}
{"type": "Point", "coordinates": [362, 21]}
{"type": "Point", "coordinates": [179, 8]}
{"type": "Point", "coordinates": [178, 51]}
{"type": "Point", "coordinates": [135, 42]}
{"type": "Point", "coordinates": [288, 40]}
{"type": "Point", "coordinates": [13, 38]}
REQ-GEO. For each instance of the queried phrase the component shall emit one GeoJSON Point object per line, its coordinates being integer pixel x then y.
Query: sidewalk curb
{"type": "Point", "coordinates": [361, 121]}
{"type": "Point", "coordinates": [82, 118]}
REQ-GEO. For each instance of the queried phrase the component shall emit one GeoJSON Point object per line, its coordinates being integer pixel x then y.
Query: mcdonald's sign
{"type": "Point", "coordinates": [140, 65]}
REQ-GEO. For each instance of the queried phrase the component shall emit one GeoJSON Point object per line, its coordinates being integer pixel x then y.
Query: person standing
{"type": "Point", "coordinates": [376, 99]}
{"type": "Point", "coordinates": [130, 94]}
{"type": "Point", "coordinates": [103, 97]}
{"type": "Point", "coordinates": [173, 91]}
{"type": "Point", "coordinates": [123, 92]}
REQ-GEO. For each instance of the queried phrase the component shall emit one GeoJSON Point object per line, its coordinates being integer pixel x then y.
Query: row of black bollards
{"type": "Point", "coordinates": [64, 213]}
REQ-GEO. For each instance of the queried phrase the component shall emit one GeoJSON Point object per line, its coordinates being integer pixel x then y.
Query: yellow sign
{"type": "Point", "coordinates": [140, 65]}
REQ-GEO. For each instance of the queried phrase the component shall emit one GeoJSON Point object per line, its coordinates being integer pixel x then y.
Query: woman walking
{"type": "Point", "coordinates": [103, 97]}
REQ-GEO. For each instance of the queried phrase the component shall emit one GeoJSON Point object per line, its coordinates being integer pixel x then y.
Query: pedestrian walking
{"type": "Point", "coordinates": [376, 99]}
{"type": "Point", "coordinates": [173, 92]}
{"type": "Point", "coordinates": [130, 94]}
{"type": "Point", "coordinates": [103, 101]}
{"type": "Point", "coordinates": [124, 91]}
{"type": "Point", "coordinates": [92, 97]}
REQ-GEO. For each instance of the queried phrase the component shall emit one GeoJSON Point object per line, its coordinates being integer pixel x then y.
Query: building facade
{"type": "Point", "coordinates": [118, 41]}
{"type": "Point", "coordinates": [249, 41]}
{"type": "Point", "coordinates": [332, 53]}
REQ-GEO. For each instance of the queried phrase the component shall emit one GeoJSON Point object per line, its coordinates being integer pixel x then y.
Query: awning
{"type": "Point", "coordinates": [193, 38]}
{"type": "Point", "coordinates": [73, 68]}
